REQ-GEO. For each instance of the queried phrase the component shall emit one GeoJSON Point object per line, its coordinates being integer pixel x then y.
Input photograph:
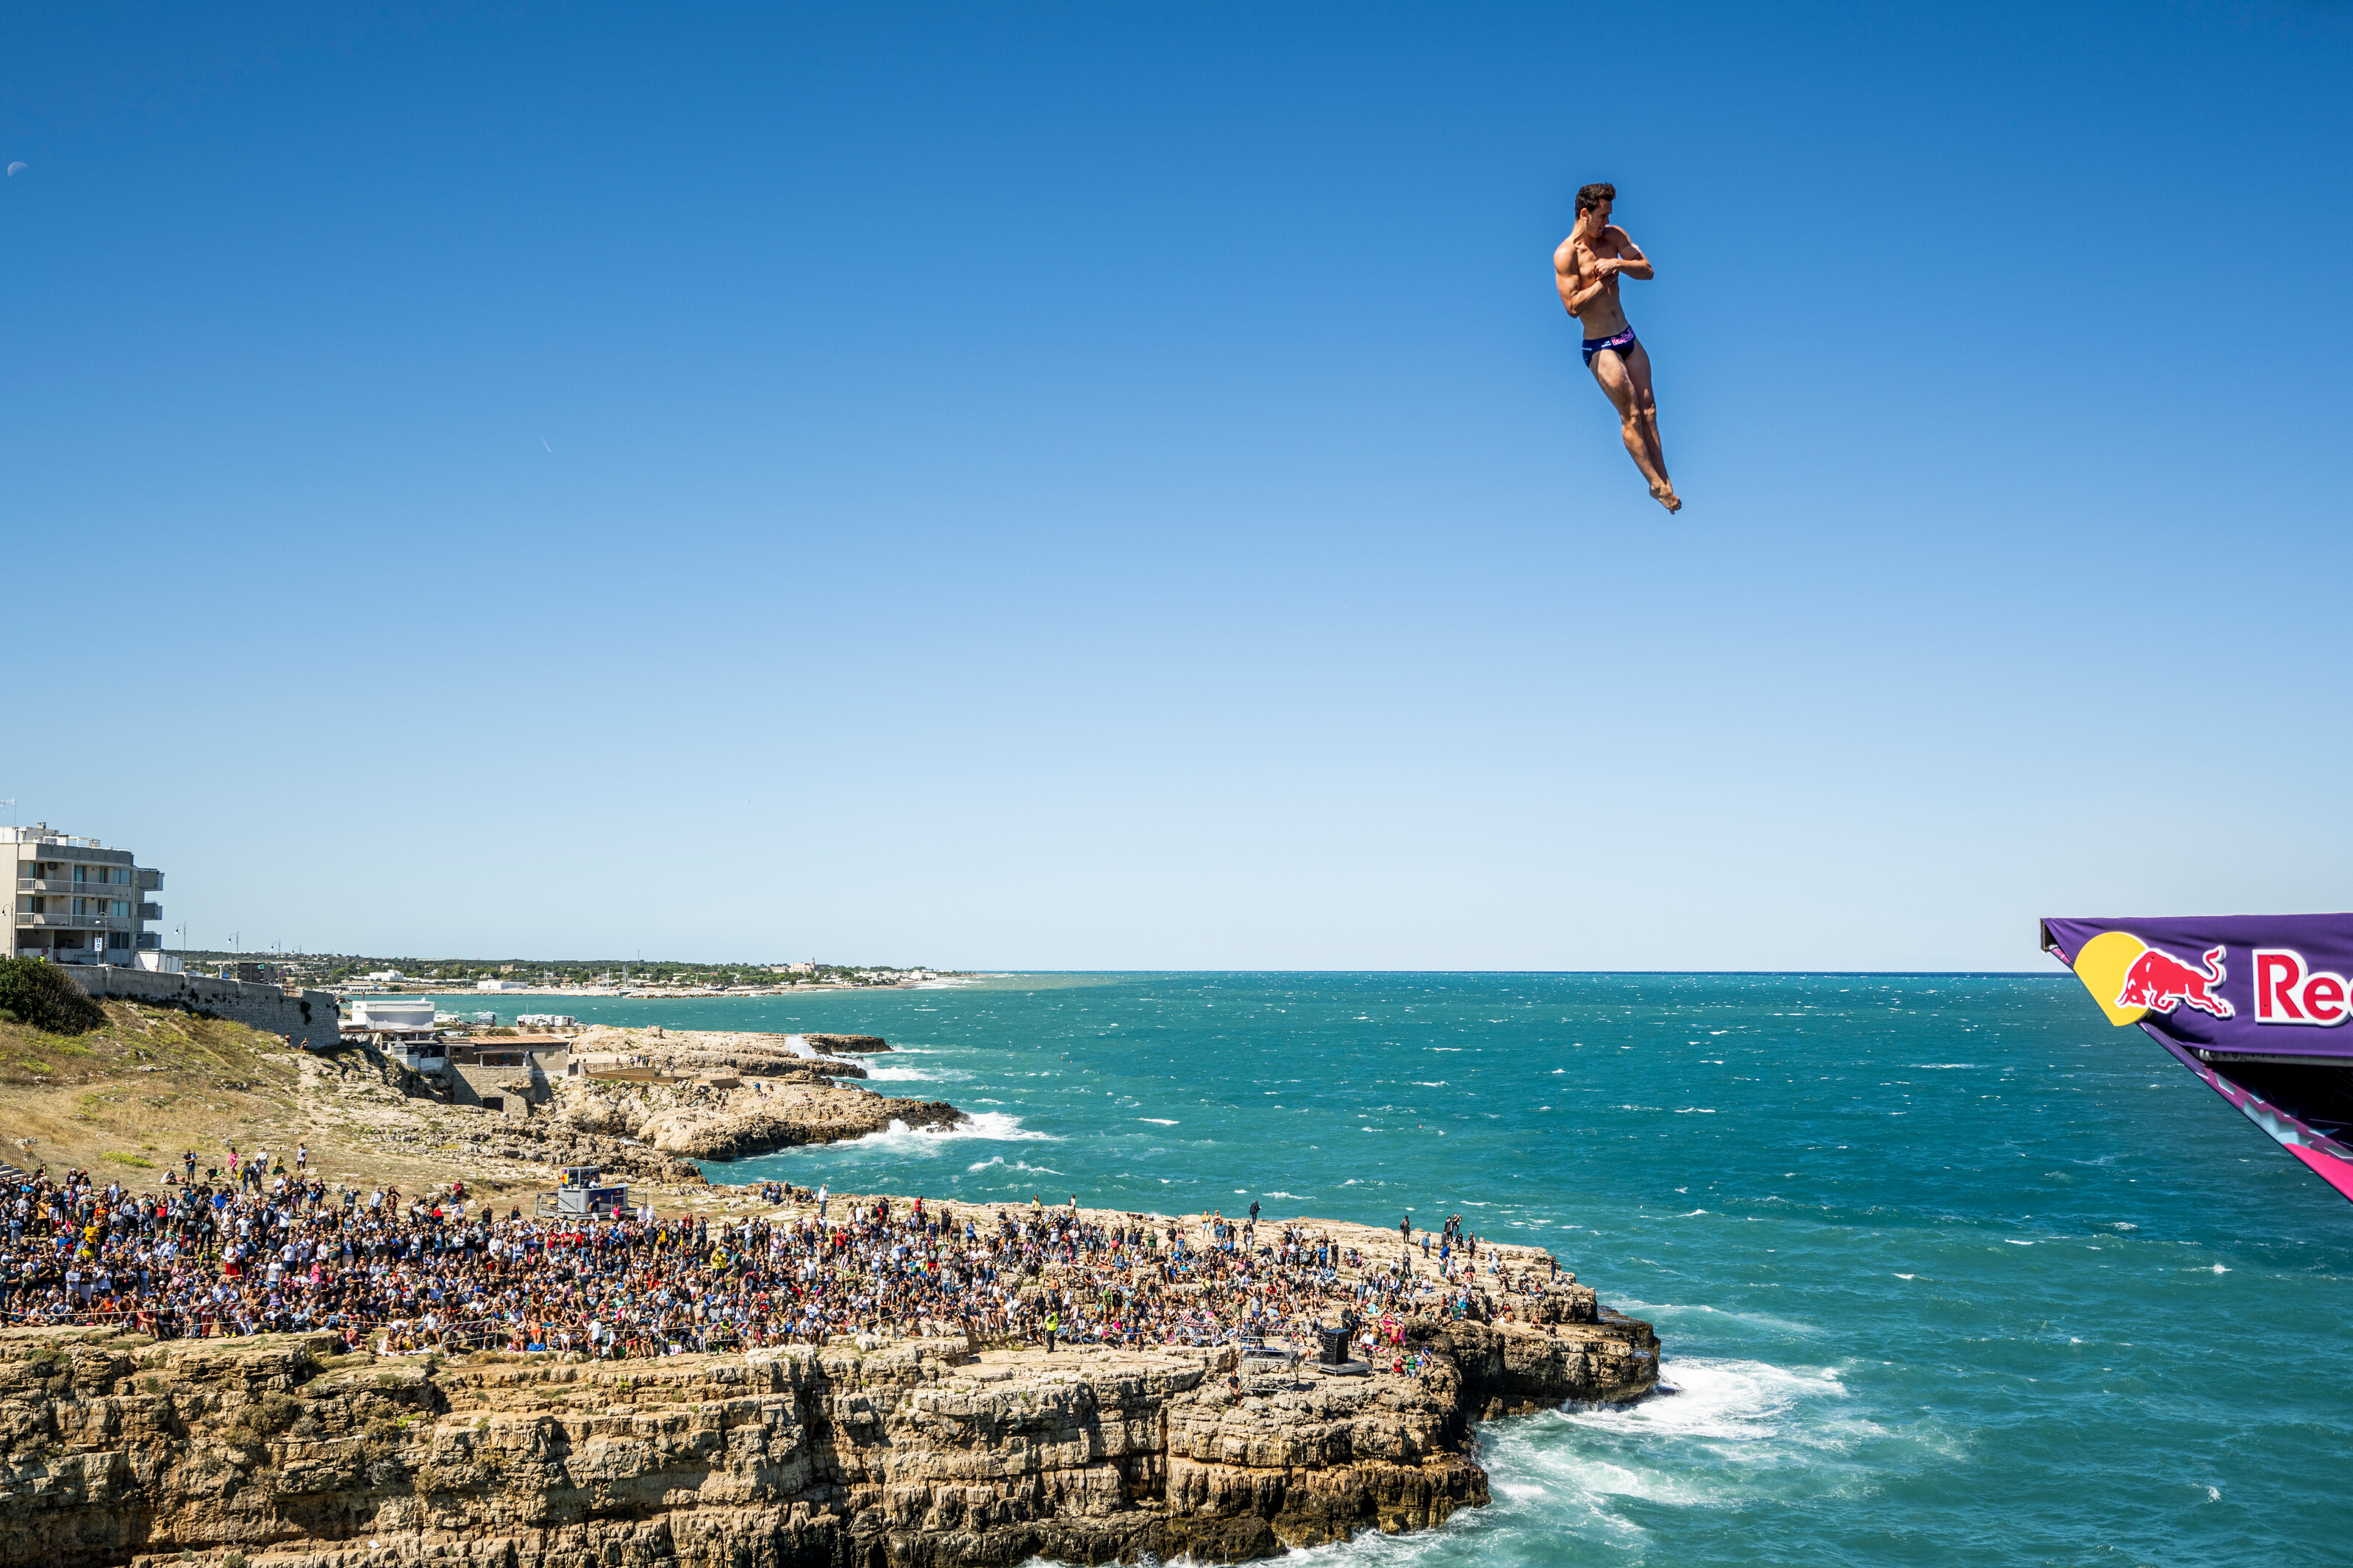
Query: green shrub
{"type": "Point", "coordinates": [35, 991]}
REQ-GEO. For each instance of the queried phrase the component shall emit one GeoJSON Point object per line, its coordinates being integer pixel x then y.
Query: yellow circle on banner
{"type": "Point", "coordinates": [2102, 967]}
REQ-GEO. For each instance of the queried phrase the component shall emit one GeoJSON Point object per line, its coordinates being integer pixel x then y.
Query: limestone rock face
{"type": "Point", "coordinates": [746, 1124]}
{"type": "Point", "coordinates": [914, 1454]}
{"type": "Point", "coordinates": [716, 1094]}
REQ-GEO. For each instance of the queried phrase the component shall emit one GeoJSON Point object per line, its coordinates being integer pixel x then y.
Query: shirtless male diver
{"type": "Point", "coordinates": [1586, 267]}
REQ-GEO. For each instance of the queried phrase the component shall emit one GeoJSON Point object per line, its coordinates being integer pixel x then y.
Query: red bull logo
{"type": "Point", "coordinates": [2160, 982]}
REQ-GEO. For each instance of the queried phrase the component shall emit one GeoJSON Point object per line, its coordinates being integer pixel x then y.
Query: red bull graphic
{"type": "Point", "coordinates": [2261, 1031]}
{"type": "Point", "coordinates": [2158, 981]}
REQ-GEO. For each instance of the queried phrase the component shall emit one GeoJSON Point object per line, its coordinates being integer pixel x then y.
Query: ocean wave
{"type": "Point", "coordinates": [798, 1045]}
{"type": "Point", "coordinates": [904, 1074]}
{"type": "Point", "coordinates": [994, 1126]}
{"type": "Point", "coordinates": [1014, 1165]}
{"type": "Point", "coordinates": [1157, 1121]}
{"type": "Point", "coordinates": [1721, 1399]}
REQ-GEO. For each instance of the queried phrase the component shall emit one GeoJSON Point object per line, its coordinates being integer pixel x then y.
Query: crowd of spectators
{"type": "Point", "coordinates": [253, 1248]}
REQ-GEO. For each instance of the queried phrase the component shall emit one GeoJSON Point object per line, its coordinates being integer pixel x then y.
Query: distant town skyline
{"type": "Point", "coordinates": [1115, 490]}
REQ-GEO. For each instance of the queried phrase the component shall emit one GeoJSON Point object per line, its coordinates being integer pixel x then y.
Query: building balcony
{"type": "Point", "coordinates": [68, 887]}
{"type": "Point", "coordinates": [76, 922]}
{"type": "Point", "coordinates": [150, 911]}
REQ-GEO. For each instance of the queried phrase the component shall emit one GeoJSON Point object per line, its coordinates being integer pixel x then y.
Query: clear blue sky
{"type": "Point", "coordinates": [1085, 485]}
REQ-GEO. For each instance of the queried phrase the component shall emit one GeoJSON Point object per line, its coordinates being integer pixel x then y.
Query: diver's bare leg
{"type": "Point", "coordinates": [1638, 371]}
{"type": "Point", "coordinates": [1640, 437]}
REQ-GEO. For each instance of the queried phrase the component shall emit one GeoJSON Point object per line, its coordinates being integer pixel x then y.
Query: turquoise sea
{"type": "Point", "coordinates": [1947, 1269]}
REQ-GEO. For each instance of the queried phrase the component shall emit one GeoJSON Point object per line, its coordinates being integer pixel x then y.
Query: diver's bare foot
{"type": "Point", "coordinates": [1665, 496]}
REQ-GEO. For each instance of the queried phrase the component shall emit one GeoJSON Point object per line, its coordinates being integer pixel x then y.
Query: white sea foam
{"type": "Point", "coordinates": [1157, 1121]}
{"type": "Point", "coordinates": [898, 1075]}
{"type": "Point", "coordinates": [1724, 1400]}
{"type": "Point", "coordinates": [1706, 1440]}
{"type": "Point", "coordinates": [994, 1126]}
{"type": "Point", "coordinates": [1014, 1165]}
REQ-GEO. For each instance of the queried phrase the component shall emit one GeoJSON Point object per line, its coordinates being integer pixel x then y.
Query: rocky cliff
{"type": "Point", "coordinates": [912, 1454]}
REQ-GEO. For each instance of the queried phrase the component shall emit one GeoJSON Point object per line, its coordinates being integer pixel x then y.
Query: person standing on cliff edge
{"type": "Point", "coordinates": [1586, 269]}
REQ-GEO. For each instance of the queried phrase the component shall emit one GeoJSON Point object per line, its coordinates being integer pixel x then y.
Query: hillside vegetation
{"type": "Point", "coordinates": [36, 992]}
{"type": "Point", "coordinates": [125, 1097]}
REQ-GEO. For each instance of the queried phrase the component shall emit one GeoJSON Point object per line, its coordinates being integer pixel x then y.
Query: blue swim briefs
{"type": "Point", "coordinates": [1615, 340]}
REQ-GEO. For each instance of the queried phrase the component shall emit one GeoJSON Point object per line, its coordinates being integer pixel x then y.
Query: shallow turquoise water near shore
{"type": "Point", "coordinates": [1942, 1264]}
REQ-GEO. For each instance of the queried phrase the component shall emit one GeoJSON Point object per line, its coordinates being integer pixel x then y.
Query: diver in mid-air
{"type": "Point", "coordinates": [1586, 269]}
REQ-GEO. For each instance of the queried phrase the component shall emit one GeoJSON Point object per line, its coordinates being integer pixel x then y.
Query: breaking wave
{"type": "Point", "coordinates": [993, 1126]}
{"type": "Point", "coordinates": [1016, 1165]}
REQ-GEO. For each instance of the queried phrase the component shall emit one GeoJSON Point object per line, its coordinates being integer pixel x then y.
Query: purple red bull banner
{"type": "Point", "coordinates": [2255, 1005]}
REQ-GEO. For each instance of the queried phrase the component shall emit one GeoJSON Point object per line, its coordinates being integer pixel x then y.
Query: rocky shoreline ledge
{"type": "Point", "coordinates": [915, 1453]}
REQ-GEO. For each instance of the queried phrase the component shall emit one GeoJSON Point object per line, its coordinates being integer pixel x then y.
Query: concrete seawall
{"type": "Point", "coordinates": [307, 1018]}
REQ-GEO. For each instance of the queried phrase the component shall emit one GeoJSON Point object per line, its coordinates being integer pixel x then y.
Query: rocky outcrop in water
{"type": "Point", "coordinates": [720, 1095]}
{"type": "Point", "coordinates": [846, 1044]}
{"type": "Point", "coordinates": [747, 1124]}
{"type": "Point", "coordinates": [913, 1454]}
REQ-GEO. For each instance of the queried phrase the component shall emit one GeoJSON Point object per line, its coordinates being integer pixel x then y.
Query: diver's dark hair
{"type": "Point", "coordinates": [1593, 195]}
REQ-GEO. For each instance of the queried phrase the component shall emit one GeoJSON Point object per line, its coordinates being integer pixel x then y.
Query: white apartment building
{"type": "Point", "coordinates": [73, 900]}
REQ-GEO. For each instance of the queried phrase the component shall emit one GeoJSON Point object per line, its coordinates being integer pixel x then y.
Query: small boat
{"type": "Point", "coordinates": [2255, 1005]}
